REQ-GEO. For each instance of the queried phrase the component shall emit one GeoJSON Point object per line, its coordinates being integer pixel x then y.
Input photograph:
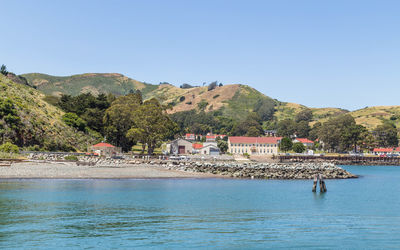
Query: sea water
{"type": "Point", "coordinates": [203, 213]}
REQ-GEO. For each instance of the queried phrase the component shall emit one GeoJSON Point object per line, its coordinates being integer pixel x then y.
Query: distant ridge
{"type": "Point", "coordinates": [233, 100]}
{"type": "Point", "coordinates": [94, 83]}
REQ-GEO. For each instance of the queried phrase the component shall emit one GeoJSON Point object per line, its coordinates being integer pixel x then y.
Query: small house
{"type": "Point", "coordinates": [306, 142]}
{"type": "Point", "coordinates": [105, 149]}
{"type": "Point", "coordinates": [210, 150]}
{"type": "Point", "coordinates": [190, 137]}
{"type": "Point", "coordinates": [181, 146]}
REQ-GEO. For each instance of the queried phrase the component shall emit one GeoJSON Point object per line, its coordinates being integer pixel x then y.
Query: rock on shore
{"type": "Point", "coordinates": [265, 170]}
{"type": "Point", "coordinates": [294, 170]}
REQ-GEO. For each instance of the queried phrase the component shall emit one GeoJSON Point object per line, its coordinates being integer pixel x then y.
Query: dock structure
{"type": "Point", "coordinates": [341, 159]}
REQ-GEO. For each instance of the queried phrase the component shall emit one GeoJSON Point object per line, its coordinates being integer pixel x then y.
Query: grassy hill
{"type": "Point", "coordinates": [288, 110]}
{"type": "Point", "coordinates": [94, 83]}
{"type": "Point", "coordinates": [234, 100]}
{"type": "Point", "coordinates": [371, 117]}
{"type": "Point", "coordinates": [41, 121]}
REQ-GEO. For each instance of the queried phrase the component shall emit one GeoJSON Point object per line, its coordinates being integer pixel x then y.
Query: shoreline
{"type": "Point", "coordinates": [58, 170]}
{"type": "Point", "coordinates": [171, 170]}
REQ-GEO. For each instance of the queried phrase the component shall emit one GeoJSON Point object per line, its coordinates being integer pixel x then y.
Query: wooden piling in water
{"type": "Point", "coordinates": [314, 189]}
{"type": "Point", "coordinates": [322, 186]}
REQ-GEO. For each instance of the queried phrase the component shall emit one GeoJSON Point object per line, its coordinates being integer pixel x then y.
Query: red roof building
{"type": "Point", "coordinates": [197, 145]}
{"type": "Point", "coordinates": [383, 150]}
{"type": "Point", "coordinates": [190, 137]}
{"type": "Point", "coordinates": [386, 150]}
{"type": "Point", "coordinates": [103, 144]}
{"type": "Point", "coordinates": [253, 145]}
{"type": "Point", "coordinates": [211, 137]}
{"type": "Point", "coordinates": [306, 142]}
{"type": "Point", "coordinates": [245, 139]}
{"type": "Point", "coordinates": [105, 149]}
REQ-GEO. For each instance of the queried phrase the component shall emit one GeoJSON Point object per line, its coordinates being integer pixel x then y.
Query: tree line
{"type": "Point", "coordinates": [339, 133]}
{"type": "Point", "coordinates": [123, 121]}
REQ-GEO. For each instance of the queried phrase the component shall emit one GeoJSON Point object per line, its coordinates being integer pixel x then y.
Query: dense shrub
{"type": "Point", "coordinates": [186, 86]}
{"type": "Point", "coordinates": [202, 105]}
{"type": "Point", "coordinates": [298, 147]}
{"type": "Point", "coordinates": [8, 147]}
{"type": "Point", "coordinates": [71, 158]}
{"type": "Point", "coordinates": [73, 120]}
{"type": "Point", "coordinates": [212, 86]}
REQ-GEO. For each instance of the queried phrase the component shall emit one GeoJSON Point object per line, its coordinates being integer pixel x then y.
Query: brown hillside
{"type": "Point", "coordinates": [215, 98]}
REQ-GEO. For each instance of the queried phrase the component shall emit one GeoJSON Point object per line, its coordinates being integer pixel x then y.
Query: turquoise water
{"type": "Point", "coordinates": [202, 213]}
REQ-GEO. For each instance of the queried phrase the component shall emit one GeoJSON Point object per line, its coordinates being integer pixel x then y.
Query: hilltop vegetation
{"type": "Point", "coordinates": [93, 83]}
{"type": "Point", "coordinates": [222, 102]}
{"type": "Point", "coordinates": [79, 109]}
{"type": "Point", "coordinates": [28, 121]}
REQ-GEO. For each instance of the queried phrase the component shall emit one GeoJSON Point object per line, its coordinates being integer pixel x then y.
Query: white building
{"type": "Point", "coordinates": [253, 145]}
{"type": "Point", "coordinates": [180, 146]}
{"type": "Point", "coordinates": [209, 150]}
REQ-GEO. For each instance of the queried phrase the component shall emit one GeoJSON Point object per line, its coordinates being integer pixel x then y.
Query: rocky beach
{"type": "Point", "coordinates": [265, 170]}
{"type": "Point", "coordinates": [55, 166]}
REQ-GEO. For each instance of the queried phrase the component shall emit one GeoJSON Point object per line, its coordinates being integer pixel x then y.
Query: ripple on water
{"type": "Point", "coordinates": [210, 213]}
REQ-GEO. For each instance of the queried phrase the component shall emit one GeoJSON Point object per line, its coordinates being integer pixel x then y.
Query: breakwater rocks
{"type": "Point", "coordinates": [79, 160]}
{"type": "Point", "coordinates": [265, 170]}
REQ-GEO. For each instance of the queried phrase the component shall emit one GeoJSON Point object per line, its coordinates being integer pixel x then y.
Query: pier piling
{"type": "Point", "coordinates": [322, 186]}
{"type": "Point", "coordinates": [314, 189]}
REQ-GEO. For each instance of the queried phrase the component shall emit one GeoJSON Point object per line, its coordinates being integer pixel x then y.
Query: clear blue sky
{"type": "Point", "coordinates": [317, 53]}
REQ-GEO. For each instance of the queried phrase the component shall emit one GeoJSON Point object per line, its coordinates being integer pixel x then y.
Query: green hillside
{"type": "Point", "coordinates": [37, 122]}
{"type": "Point", "coordinates": [371, 117]}
{"type": "Point", "coordinates": [234, 100]}
{"type": "Point", "coordinates": [94, 83]}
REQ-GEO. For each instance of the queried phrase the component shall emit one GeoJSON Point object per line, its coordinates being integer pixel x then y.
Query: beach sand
{"type": "Point", "coordinates": [31, 170]}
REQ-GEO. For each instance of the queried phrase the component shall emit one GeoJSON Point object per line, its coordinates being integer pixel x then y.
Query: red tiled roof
{"type": "Point", "coordinates": [244, 139]}
{"type": "Point", "coordinates": [215, 136]}
{"type": "Point", "coordinates": [304, 140]}
{"type": "Point", "coordinates": [197, 145]}
{"type": "Point", "coordinates": [386, 150]}
{"type": "Point", "coordinates": [103, 144]}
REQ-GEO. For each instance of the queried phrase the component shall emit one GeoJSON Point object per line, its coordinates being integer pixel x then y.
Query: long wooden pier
{"type": "Point", "coordinates": [365, 160]}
